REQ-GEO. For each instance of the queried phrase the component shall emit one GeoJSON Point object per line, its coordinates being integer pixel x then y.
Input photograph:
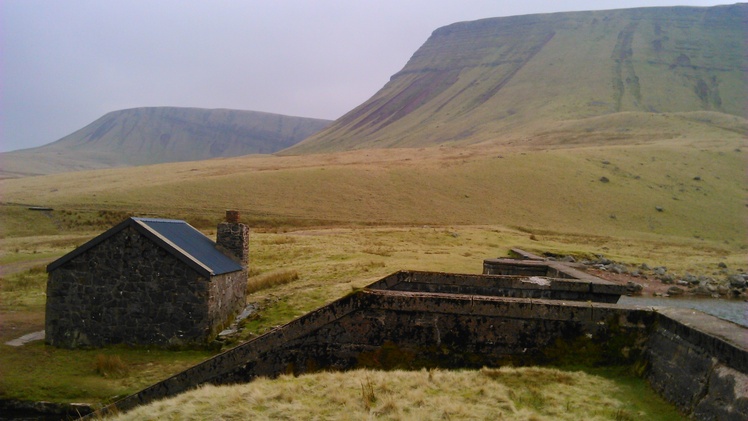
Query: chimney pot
{"type": "Point", "coordinates": [232, 216]}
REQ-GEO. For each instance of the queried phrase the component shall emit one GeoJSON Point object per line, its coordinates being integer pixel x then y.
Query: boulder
{"type": "Point", "coordinates": [701, 290]}
{"type": "Point", "coordinates": [666, 278]}
{"type": "Point", "coordinates": [675, 290]}
{"type": "Point", "coordinates": [616, 268]}
{"type": "Point", "coordinates": [736, 281]}
{"type": "Point", "coordinates": [691, 279]}
{"type": "Point", "coordinates": [634, 288]}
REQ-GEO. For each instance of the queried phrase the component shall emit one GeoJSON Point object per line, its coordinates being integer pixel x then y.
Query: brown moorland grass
{"type": "Point", "coordinates": [330, 263]}
{"type": "Point", "coordinates": [505, 393]}
{"type": "Point", "coordinates": [270, 280]}
{"type": "Point", "coordinates": [700, 188]}
{"type": "Point", "coordinates": [344, 220]}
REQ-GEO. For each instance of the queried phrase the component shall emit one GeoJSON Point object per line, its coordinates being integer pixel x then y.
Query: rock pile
{"type": "Point", "coordinates": [723, 284]}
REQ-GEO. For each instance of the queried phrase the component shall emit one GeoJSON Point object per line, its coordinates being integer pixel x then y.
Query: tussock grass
{"type": "Point", "coordinates": [379, 251]}
{"type": "Point", "coordinates": [32, 279]}
{"type": "Point", "coordinates": [280, 240]}
{"type": "Point", "coordinates": [25, 289]}
{"type": "Point", "coordinates": [503, 393]}
{"type": "Point", "coordinates": [110, 366]}
{"type": "Point", "coordinates": [270, 280]}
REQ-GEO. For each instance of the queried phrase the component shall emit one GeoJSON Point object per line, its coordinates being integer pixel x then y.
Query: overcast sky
{"type": "Point", "coordinates": [67, 63]}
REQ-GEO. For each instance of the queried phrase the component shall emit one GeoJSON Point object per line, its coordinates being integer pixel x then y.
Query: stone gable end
{"type": "Point", "coordinates": [127, 289]}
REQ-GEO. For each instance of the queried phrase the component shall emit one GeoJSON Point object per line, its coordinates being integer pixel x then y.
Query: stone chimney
{"type": "Point", "coordinates": [233, 238]}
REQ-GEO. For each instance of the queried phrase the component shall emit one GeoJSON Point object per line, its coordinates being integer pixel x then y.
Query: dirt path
{"type": "Point", "coordinates": [15, 267]}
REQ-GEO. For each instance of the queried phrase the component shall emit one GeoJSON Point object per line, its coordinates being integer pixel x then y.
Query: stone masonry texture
{"type": "Point", "coordinates": [696, 361]}
{"type": "Point", "coordinates": [129, 290]}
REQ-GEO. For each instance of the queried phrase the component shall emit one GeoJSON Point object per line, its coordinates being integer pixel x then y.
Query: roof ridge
{"type": "Point", "coordinates": [142, 223]}
{"type": "Point", "coordinates": [172, 221]}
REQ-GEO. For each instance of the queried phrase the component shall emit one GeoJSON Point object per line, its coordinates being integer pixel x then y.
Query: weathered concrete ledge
{"type": "Point", "coordinates": [694, 360]}
{"type": "Point", "coordinates": [559, 285]}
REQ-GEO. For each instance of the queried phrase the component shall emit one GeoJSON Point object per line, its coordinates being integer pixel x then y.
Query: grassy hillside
{"type": "Point", "coordinates": [153, 135]}
{"type": "Point", "coordinates": [526, 78]}
{"type": "Point", "coordinates": [699, 186]}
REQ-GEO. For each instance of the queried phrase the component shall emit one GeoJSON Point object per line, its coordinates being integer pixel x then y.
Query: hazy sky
{"type": "Point", "coordinates": [65, 63]}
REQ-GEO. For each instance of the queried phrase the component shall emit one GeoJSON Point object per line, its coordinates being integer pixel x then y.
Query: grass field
{"type": "Point", "coordinates": [324, 225]}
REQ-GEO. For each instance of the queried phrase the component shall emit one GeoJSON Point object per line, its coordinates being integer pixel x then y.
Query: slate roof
{"type": "Point", "coordinates": [177, 237]}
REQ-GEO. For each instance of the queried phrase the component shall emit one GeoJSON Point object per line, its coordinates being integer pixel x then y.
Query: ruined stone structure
{"type": "Point", "coordinates": [147, 282]}
{"type": "Point", "coordinates": [421, 319]}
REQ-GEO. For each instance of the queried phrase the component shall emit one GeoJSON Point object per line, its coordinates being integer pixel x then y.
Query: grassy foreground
{"type": "Point", "coordinates": [488, 394]}
{"type": "Point", "coordinates": [293, 272]}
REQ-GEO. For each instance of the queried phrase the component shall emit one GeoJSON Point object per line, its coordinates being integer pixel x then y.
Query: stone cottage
{"type": "Point", "coordinates": [148, 282]}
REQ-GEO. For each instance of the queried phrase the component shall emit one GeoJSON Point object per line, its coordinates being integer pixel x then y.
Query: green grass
{"type": "Point", "coordinates": [39, 372]}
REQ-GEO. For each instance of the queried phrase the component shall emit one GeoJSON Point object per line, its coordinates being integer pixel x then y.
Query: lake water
{"type": "Point", "coordinates": [733, 310]}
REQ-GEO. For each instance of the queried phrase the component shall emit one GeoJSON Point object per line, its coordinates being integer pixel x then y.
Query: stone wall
{"type": "Point", "coordinates": [694, 360]}
{"type": "Point", "coordinates": [126, 290]}
{"type": "Point", "coordinates": [519, 286]}
{"type": "Point", "coordinates": [386, 329]}
{"type": "Point", "coordinates": [228, 292]}
{"type": "Point", "coordinates": [233, 239]}
{"type": "Point", "coordinates": [700, 364]}
{"type": "Point", "coordinates": [227, 298]}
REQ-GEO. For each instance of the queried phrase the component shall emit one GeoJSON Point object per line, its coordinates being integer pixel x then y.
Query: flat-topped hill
{"type": "Point", "coordinates": [580, 77]}
{"type": "Point", "coordinates": [155, 135]}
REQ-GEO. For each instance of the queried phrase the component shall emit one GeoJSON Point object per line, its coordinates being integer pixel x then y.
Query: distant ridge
{"type": "Point", "coordinates": [567, 77]}
{"type": "Point", "coordinates": [153, 135]}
